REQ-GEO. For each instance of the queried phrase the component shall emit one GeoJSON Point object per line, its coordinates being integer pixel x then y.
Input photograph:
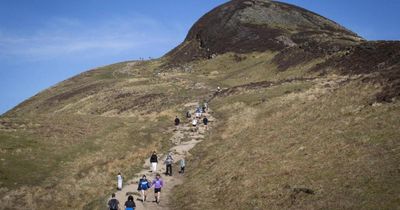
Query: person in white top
{"type": "Point", "coordinates": [119, 182]}
{"type": "Point", "coordinates": [194, 124]}
{"type": "Point", "coordinates": [198, 114]}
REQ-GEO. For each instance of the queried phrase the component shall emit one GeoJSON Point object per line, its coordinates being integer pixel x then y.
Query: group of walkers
{"type": "Point", "coordinates": [195, 123]}
{"type": "Point", "coordinates": [113, 203]}
{"type": "Point", "coordinates": [200, 110]}
{"type": "Point", "coordinates": [169, 161]}
{"type": "Point", "coordinates": [144, 184]}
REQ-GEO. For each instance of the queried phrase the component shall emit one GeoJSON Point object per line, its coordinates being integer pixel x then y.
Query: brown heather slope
{"type": "Point", "coordinates": [308, 118]}
{"type": "Point", "coordinates": [257, 25]}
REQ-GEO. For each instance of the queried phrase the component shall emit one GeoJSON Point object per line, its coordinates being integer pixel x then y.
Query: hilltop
{"type": "Point", "coordinates": [256, 26]}
{"type": "Point", "coordinates": [307, 119]}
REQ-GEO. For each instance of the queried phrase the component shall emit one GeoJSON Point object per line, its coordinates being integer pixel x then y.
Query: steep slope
{"type": "Point", "coordinates": [259, 25]}
{"type": "Point", "coordinates": [307, 119]}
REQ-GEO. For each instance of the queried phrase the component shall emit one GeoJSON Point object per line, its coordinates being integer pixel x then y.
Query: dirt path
{"type": "Point", "coordinates": [184, 140]}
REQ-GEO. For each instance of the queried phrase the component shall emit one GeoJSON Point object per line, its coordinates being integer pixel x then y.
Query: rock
{"type": "Point", "coordinates": [304, 190]}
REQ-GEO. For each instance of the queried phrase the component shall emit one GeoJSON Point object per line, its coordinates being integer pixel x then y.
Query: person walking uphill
{"type": "Point", "coordinates": [154, 161]}
{"type": "Point", "coordinates": [177, 121]}
{"type": "Point", "coordinates": [143, 186]}
{"type": "Point", "coordinates": [205, 122]}
{"type": "Point", "coordinates": [194, 124]}
{"type": "Point", "coordinates": [113, 203]}
{"type": "Point", "coordinates": [168, 162]}
{"type": "Point", "coordinates": [182, 163]}
{"type": "Point", "coordinates": [158, 184]}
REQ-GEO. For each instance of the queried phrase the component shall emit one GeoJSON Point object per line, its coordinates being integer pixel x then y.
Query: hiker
{"type": "Point", "coordinates": [130, 204]}
{"type": "Point", "coordinates": [143, 186]}
{"type": "Point", "coordinates": [154, 161]}
{"type": "Point", "coordinates": [168, 162]}
{"type": "Point", "coordinates": [182, 163]}
{"type": "Point", "coordinates": [205, 122]}
{"type": "Point", "coordinates": [218, 89]}
{"type": "Point", "coordinates": [206, 106]}
{"type": "Point", "coordinates": [119, 181]}
{"type": "Point", "coordinates": [177, 121]}
{"type": "Point", "coordinates": [188, 115]}
{"type": "Point", "coordinates": [158, 184]}
{"type": "Point", "coordinates": [198, 113]}
{"type": "Point", "coordinates": [113, 203]}
{"type": "Point", "coordinates": [194, 124]}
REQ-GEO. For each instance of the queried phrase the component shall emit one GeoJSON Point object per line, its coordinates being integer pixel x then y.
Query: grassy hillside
{"type": "Point", "coordinates": [286, 139]}
{"type": "Point", "coordinates": [272, 144]}
{"type": "Point", "coordinates": [64, 146]}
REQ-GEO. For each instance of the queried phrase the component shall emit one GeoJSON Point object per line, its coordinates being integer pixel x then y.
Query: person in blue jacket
{"type": "Point", "coordinates": [143, 186]}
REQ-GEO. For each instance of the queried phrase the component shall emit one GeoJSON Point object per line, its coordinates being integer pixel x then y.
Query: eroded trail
{"type": "Point", "coordinates": [184, 140]}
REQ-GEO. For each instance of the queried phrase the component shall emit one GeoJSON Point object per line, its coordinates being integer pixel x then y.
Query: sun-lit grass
{"type": "Point", "coordinates": [65, 146]}
{"type": "Point", "coordinates": [334, 143]}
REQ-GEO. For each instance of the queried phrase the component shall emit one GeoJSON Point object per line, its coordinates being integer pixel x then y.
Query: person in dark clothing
{"type": "Point", "coordinates": [113, 203]}
{"type": "Point", "coordinates": [154, 161]}
{"type": "Point", "coordinates": [177, 121]}
{"type": "Point", "coordinates": [188, 115]}
{"type": "Point", "coordinates": [205, 122]}
{"type": "Point", "coordinates": [130, 204]}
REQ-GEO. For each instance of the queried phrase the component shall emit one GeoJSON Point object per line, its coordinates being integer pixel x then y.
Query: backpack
{"type": "Point", "coordinates": [113, 204]}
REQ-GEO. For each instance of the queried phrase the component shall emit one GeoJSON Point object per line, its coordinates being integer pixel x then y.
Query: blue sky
{"type": "Point", "coordinates": [43, 42]}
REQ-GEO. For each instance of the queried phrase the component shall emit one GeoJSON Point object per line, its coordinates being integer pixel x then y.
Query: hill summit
{"type": "Point", "coordinates": [244, 26]}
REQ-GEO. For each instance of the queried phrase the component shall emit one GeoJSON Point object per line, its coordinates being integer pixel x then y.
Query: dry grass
{"type": "Point", "coordinates": [326, 138]}
{"type": "Point", "coordinates": [64, 146]}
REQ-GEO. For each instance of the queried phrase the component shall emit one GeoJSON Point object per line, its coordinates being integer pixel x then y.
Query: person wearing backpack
{"type": "Point", "coordinates": [158, 184]}
{"type": "Point", "coordinates": [119, 181]}
{"type": "Point", "coordinates": [168, 162]}
{"type": "Point", "coordinates": [113, 203]}
{"type": "Point", "coordinates": [143, 186]}
{"type": "Point", "coordinates": [154, 161]}
{"type": "Point", "coordinates": [130, 204]}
